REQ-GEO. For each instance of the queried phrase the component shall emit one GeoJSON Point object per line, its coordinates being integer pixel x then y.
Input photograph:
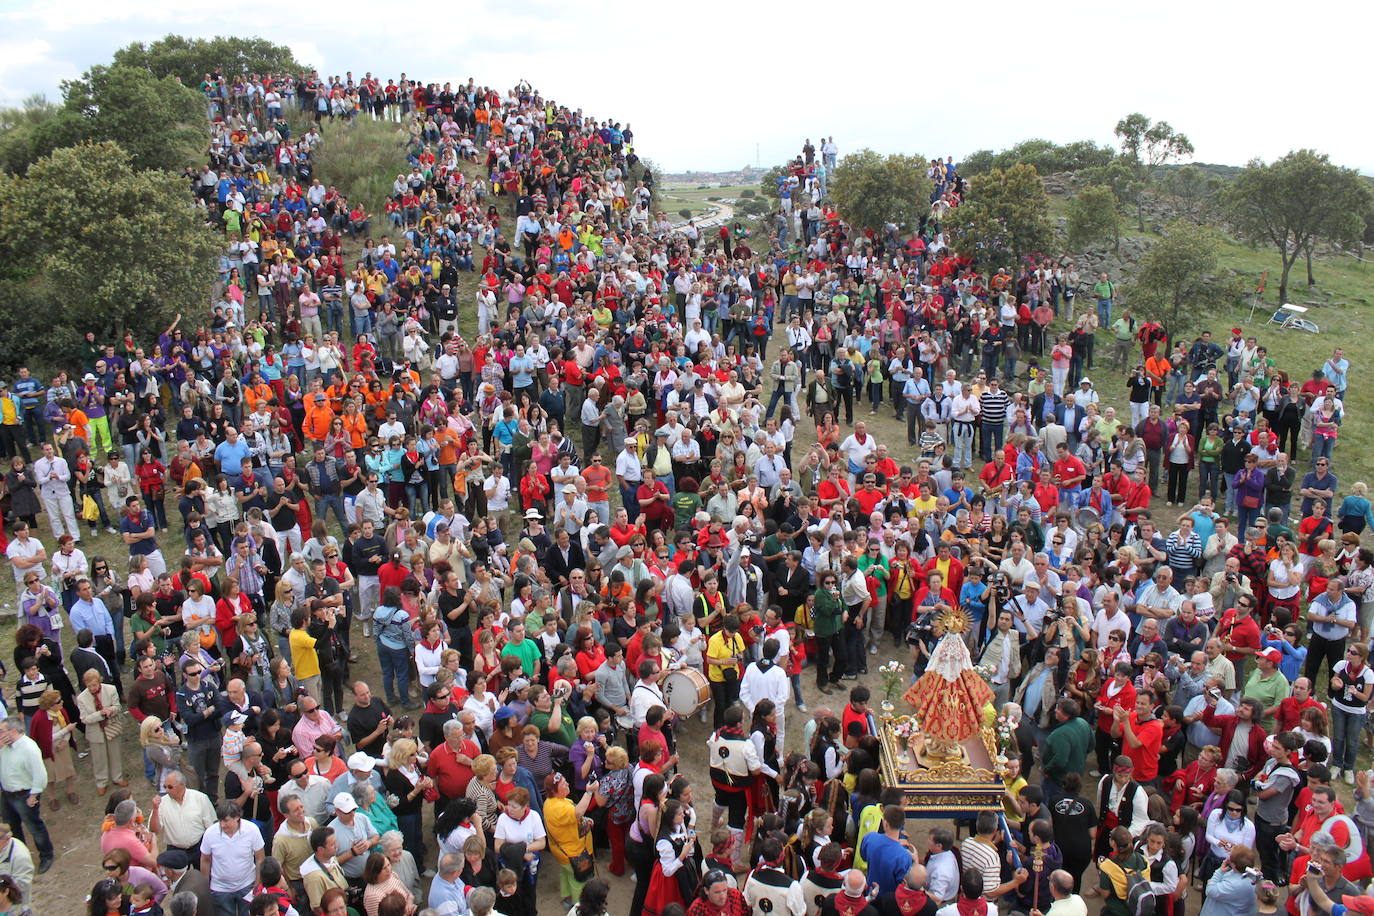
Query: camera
{"type": "Point", "coordinates": [921, 629]}
{"type": "Point", "coordinates": [1313, 868]}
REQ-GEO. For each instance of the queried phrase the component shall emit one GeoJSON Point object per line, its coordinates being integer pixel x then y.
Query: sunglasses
{"type": "Point", "coordinates": [1235, 810]}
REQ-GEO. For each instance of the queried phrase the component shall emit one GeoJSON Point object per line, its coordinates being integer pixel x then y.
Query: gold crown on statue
{"type": "Point", "coordinates": [955, 620]}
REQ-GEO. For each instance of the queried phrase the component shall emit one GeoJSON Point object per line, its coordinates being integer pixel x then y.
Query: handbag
{"type": "Point", "coordinates": [1250, 502]}
{"type": "Point", "coordinates": [583, 864]}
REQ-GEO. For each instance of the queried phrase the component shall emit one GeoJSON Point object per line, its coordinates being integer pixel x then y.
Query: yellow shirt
{"type": "Point", "coordinates": [305, 661]}
{"type": "Point", "coordinates": [560, 823]}
{"type": "Point", "coordinates": [720, 648]}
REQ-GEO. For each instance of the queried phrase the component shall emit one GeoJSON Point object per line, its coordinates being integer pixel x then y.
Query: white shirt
{"type": "Point", "coordinates": [627, 466]}
{"type": "Point", "coordinates": [942, 876]}
{"type": "Point", "coordinates": [964, 409]}
{"type": "Point", "coordinates": [23, 550]}
{"type": "Point", "coordinates": [233, 867]}
{"type": "Point", "coordinates": [526, 830]}
{"type": "Point", "coordinates": [772, 684]}
{"type": "Point", "coordinates": [52, 475]}
{"type": "Point", "coordinates": [857, 451]}
{"type": "Point", "coordinates": [183, 824]}
{"type": "Point", "coordinates": [498, 492]}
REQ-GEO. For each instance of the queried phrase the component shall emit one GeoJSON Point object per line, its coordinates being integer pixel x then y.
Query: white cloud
{"type": "Point", "coordinates": [704, 84]}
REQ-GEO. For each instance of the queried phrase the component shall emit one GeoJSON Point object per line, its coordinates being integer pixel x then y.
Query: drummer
{"type": "Point", "coordinates": [645, 695]}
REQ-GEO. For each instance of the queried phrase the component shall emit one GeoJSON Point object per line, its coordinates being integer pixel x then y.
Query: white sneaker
{"type": "Point", "coordinates": [1335, 773]}
{"type": "Point", "coordinates": [1350, 777]}
{"type": "Point", "coordinates": [367, 628]}
{"type": "Point", "coordinates": [872, 650]}
{"type": "Point", "coordinates": [801, 707]}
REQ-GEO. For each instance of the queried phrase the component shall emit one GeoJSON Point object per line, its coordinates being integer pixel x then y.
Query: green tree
{"type": "Point", "coordinates": [1006, 216]}
{"type": "Point", "coordinates": [191, 59]}
{"type": "Point", "coordinates": [1150, 144]}
{"type": "Point", "coordinates": [25, 132]}
{"type": "Point", "coordinates": [1295, 202]}
{"type": "Point", "coordinates": [1047, 157]}
{"type": "Point", "coordinates": [1093, 216]}
{"type": "Point", "coordinates": [1174, 281]}
{"type": "Point", "coordinates": [88, 242]}
{"type": "Point", "coordinates": [1193, 189]}
{"type": "Point", "coordinates": [872, 190]}
{"type": "Point", "coordinates": [157, 120]}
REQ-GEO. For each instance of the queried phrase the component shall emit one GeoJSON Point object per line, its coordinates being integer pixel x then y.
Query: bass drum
{"type": "Point", "coordinates": [686, 690]}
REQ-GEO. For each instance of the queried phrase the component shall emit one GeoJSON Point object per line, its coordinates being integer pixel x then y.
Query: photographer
{"type": "Point", "coordinates": [927, 604]}
{"type": "Point", "coordinates": [1322, 888]}
{"type": "Point", "coordinates": [1231, 890]}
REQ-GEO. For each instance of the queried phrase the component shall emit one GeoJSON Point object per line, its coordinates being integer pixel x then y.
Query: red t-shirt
{"type": "Point", "coordinates": [1146, 756]}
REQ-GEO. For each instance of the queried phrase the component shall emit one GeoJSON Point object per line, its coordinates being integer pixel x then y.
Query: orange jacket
{"type": "Point", "coordinates": [317, 421]}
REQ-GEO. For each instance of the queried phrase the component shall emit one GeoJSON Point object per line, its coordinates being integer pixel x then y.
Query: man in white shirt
{"type": "Point", "coordinates": [963, 414]}
{"type": "Point", "coordinates": [230, 853]}
{"type": "Point", "coordinates": [858, 446]}
{"type": "Point", "coordinates": [1066, 902]}
{"type": "Point", "coordinates": [181, 816]}
{"type": "Point", "coordinates": [767, 679]}
{"type": "Point", "coordinates": [497, 489]}
{"type": "Point", "coordinates": [1016, 567]}
{"type": "Point", "coordinates": [52, 474]}
{"type": "Point", "coordinates": [942, 867]}
{"type": "Point", "coordinates": [1109, 620]}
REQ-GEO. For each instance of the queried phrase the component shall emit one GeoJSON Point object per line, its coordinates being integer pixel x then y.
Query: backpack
{"type": "Point", "coordinates": [1140, 897]}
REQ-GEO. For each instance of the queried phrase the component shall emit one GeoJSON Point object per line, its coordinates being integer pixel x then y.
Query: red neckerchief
{"type": "Point", "coordinates": [846, 905]}
{"type": "Point", "coordinates": [975, 907]}
{"type": "Point", "coordinates": [910, 901]}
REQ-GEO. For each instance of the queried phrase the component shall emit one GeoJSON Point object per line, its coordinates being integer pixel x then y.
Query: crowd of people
{"type": "Point", "coordinates": [586, 504]}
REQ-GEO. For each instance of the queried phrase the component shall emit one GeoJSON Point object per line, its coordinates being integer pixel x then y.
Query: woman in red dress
{"type": "Point", "coordinates": [674, 877]}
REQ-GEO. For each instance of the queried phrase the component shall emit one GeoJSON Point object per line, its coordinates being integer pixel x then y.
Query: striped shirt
{"type": "Point", "coordinates": [1183, 554]}
{"type": "Point", "coordinates": [994, 404]}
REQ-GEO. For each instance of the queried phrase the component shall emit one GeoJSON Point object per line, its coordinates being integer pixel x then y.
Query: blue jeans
{"type": "Point", "coordinates": [334, 501]}
{"type": "Point", "coordinates": [1104, 313]}
{"type": "Point", "coordinates": [1321, 448]}
{"type": "Point", "coordinates": [231, 903]}
{"type": "Point", "coordinates": [395, 669]}
{"type": "Point", "coordinates": [19, 816]}
{"type": "Point", "coordinates": [1345, 736]}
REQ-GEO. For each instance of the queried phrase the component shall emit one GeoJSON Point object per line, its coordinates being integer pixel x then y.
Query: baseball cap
{"type": "Point", "coordinates": [505, 713]}
{"type": "Point", "coordinates": [361, 761]}
{"type": "Point", "coordinates": [519, 684]}
{"type": "Point", "coordinates": [234, 717]}
{"type": "Point", "coordinates": [344, 802]}
{"type": "Point", "coordinates": [1272, 654]}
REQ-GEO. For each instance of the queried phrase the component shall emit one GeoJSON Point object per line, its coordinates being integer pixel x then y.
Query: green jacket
{"type": "Point", "coordinates": [1065, 751]}
{"type": "Point", "coordinates": [827, 613]}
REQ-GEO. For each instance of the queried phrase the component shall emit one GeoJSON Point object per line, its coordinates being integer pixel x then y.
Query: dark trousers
{"type": "Point", "coordinates": [825, 647]}
{"type": "Point", "coordinates": [725, 694]}
{"type": "Point", "coordinates": [1106, 747]}
{"type": "Point", "coordinates": [852, 646]}
{"type": "Point", "coordinates": [1178, 483]}
{"type": "Point", "coordinates": [847, 397]}
{"type": "Point", "coordinates": [591, 438]}
{"type": "Point", "coordinates": [19, 815]}
{"type": "Point", "coordinates": [992, 434]}
{"type": "Point", "coordinates": [204, 759]}
{"type": "Point", "coordinates": [1321, 649]}
{"type": "Point", "coordinates": [1270, 855]}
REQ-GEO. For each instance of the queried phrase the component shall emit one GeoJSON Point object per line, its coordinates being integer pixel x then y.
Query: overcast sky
{"type": "Point", "coordinates": [717, 85]}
